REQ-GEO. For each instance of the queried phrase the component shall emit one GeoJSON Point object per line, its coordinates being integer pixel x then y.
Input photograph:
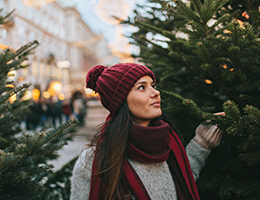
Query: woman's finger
{"type": "Point", "coordinates": [220, 113]}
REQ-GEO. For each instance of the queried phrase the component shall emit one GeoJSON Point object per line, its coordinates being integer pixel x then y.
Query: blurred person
{"type": "Point", "coordinates": [54, 110]}
{"type": "Point", "coordinates": [79, 106]}
{"type": "Point", "coordinates": [67, 108]}
{"type": "Point", "coordinates": [42, 102]}
{"type": "Point", "coordinates": [137, 154]}
{"type": "Point", "coordinates": [33, 118]}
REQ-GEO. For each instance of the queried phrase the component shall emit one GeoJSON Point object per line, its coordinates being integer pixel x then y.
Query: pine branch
{"type": "Point", "coordinates": [54, 133]}
{"type": "Point", "coordinates": [12, 92]}
{"type": "Point", "coordinates": [25, 49]}
{"type": "Point", "coordinates": [251, 158]}
{"type": "Point", "coordinates": [30, 144]}
{"type": "Point", "coordinates": [187, 12]}
{"type": "Point", "coordinates": [231, 110]}
{"type": "Point", "coordinates": [4, 57]}
{"type": "Point", "coordinates": [158, 30]}
{"type": "Point", "coordinates": [4, 19]}
{"type": "Point", "coordinates": [198, 6]}
{"type": "Point", "coordinates": [224, 18]}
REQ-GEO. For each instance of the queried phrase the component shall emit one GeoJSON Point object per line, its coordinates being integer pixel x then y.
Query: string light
{"type": "Point", "coordinates": [9, 85]}
{"type": "Point", "coordinates": [89, 41]}
{"type": "Point", "coordinates": [225, 66]}
{"type": "Point", "coordinates": [244, 14]}
{"type": "Point", "coordinates": [208, 81]}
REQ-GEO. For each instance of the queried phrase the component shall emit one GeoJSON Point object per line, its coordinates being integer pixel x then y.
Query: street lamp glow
{"type": "Point", "coordinates": [88, 91]}
{"type": "Point", "coordinates": [63, 64]}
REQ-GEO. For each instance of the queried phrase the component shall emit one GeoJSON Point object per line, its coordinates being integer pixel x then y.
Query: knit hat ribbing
{"type": "Point", "coordinates": [114, 83]}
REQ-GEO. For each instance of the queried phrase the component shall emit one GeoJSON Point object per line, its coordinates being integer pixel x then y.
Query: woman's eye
{"type": "Point", "coordinates": [141, 87]}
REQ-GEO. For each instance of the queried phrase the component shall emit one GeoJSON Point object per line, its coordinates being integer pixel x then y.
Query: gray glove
{"type": "Point", "coordinates": [208, 136]}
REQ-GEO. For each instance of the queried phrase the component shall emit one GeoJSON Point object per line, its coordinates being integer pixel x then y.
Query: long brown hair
{"type": "Point", "coordinates": [111, 142]}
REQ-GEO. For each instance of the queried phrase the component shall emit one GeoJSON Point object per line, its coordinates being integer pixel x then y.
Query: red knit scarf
{"type": "Point", "coordinates": [154, 144]}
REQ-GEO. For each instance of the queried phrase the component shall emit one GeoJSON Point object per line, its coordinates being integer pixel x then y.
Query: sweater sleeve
{"type": "Point", "coordinates": [197, 156]}
{"type": "Point", "coordinates": [81, 176]}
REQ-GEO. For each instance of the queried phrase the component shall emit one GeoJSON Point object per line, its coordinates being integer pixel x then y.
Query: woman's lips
{"type": "Point", "coordinates": [156, 104]}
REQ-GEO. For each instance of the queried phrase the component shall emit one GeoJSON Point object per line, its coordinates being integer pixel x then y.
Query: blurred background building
{"type": "Point", "coordinates": [68, 47]}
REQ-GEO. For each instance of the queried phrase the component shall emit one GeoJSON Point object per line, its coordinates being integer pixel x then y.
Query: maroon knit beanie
{"type": "Point", "coordinates": [114, 83]}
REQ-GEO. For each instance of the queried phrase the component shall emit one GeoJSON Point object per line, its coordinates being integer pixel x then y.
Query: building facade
{"type": "Point", "coordinates": [68, 47]}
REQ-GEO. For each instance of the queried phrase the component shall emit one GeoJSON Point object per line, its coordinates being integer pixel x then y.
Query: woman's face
{"type": "Point", "coordinates": [144, 101]}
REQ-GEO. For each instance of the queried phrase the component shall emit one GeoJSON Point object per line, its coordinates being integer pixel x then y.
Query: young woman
{"type": "Point", "coordinates": [136, 154]}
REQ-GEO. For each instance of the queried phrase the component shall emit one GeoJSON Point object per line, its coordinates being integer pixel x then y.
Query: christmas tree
{"type": "Point", "coordinates": [205, 55]}
{"type": "Point", "coordinates": [197, 49]}
{"type": "Point", "coordinates": [25, 157]}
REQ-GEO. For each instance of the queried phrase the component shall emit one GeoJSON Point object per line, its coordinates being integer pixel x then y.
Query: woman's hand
{"type": "Point", "coordinates": [208, 136]}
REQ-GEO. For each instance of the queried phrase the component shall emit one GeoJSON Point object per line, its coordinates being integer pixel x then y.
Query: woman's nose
{"type": "Point", "coordinates": [155, 92]}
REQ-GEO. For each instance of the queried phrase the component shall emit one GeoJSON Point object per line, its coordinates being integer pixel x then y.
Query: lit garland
{"type": "Point", "coordinates": [107, 9]}
{"type": "Point", "coordinates": [37, 3]}
{"type": "Point", "coordinates": [4, 47]}
{"type": "Point", "coordinates": [121, 47]}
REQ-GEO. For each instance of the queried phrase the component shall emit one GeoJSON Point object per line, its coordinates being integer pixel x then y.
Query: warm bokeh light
{"type": "Point", "coordinates": [225, 66]}
{"type": "Point", "coordinates": [27, 95]}
{"type": "Point", "coordinates": [9, 86]}
{"type": "Point", "coordinates": [46, 94]}
{"type": "Point", "coordinates": [12, 98]}
{"type": "Point", "coordinates": [90, 93]}
{"type": "Point", "coordinates": [208, 81]}
{"type": "Point", "coordinates": [55, 88]}
{"type": "Point", "coordinates": [21, 79]}
{"type": "Point", "coordinates": [37, 3]}
{"type": "Point", "coordinates": [240, 22]}
{"type": "Point", "coordinates": [244, 14]}
{"type": "Point", "coordinates": [4, 47]}
{"type": "Point", "coordinates": [11, 74]}
{"type": "Point", "coordinates": [61, 97]}
{"type": "Point", "coordinates": [35, 95]}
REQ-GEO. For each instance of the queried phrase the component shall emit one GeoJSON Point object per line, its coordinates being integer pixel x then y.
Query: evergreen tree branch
{"type": "Point", "coordinates": [11, 93]}
{"type": "Point", "coordinates": [4, 19]}
{"type": "Point", "coordinates": [187, 11]}
{"type": "Point", "coordinates": [163, 32]}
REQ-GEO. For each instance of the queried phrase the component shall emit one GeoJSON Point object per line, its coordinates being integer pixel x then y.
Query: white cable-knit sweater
{"type": "Point", "coordinates": [156, 177]}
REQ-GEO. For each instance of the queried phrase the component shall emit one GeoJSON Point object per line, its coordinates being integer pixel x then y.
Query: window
{"type": "Point", "coordinates": [3, 35]}
{"type": "Point", "coordinates": [32, 36]}
{"type": "Point", "coordinates": [3, 5]}
{"type": "Point", "coordinates": [30, 12]}
{"type": "Point", "coordinates": [21, 35]}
